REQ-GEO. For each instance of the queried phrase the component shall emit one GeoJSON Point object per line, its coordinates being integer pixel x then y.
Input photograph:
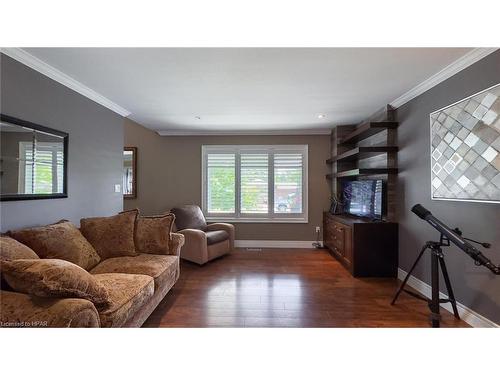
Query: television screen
{"type": "Point", "coordinates": [363, 198]}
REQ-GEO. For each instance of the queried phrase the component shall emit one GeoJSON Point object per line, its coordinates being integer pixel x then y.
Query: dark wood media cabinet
{"type": "Point", "coordinates": [365, 248]}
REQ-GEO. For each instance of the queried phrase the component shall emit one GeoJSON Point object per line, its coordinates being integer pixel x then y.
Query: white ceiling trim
{"type": "Point", "coordinates": [458, 65]}
{"type": "Point", "coordinates": [58, 76]}
{"type": "Point", "coordinates": [53, 73]}
{"type": "Point", "coordinates": [182, 133]}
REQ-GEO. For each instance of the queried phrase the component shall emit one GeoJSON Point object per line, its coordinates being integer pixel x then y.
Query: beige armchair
{"type": "Point", "coordinates": [203, 242]}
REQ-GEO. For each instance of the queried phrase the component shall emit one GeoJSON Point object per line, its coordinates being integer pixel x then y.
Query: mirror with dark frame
{"type": "Point", "coordinates": [130, 172]}
{"type": "Point", "coordinates": [33, 161]}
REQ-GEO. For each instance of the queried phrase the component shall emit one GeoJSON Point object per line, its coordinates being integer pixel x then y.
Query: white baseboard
{"type": "Point", "coordinates": [275, 244]}
{"type": "Point", "coordinates": [466, 314]}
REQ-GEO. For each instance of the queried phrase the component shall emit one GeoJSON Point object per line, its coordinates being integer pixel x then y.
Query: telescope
{"type": "Point", "coordinates": [454, 235]}
{"type": "Point", "coordinates": [447, 236]}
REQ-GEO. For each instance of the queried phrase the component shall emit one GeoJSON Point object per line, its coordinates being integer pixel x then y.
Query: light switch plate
{"type": "Point", "coordinates": [118, 188]}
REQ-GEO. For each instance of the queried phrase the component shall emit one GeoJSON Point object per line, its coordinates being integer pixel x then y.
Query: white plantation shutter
{"type": "Point", "coordinates": [288, 174]}
{"type": "Point", "coordinates": [43, 175]}
{"type": "Point", "coordinates": [254, 183]}
{"type": "Point", "coordinates": [26, 164]}
{"type": "Point", "coordinates": [287, 161]}
{"type": "Point", "coordinates": [60, 170]}
{"type": "Point", "coordinates": [221, 183]}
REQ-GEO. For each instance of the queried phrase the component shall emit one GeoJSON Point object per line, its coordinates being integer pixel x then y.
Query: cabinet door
{"type": "Point", "coordinates": [348, 251]}
{"type": "Point", "coordinates": [328, 232]}
{"type": "Point", "coordinates": [339, 238]}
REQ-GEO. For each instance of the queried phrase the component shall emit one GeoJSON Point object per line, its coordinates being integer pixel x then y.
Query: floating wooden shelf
{"type": "Point", "coordinates": [363, 153]}
{"type": "Point", "coordinates": [362, 172]}
{"type": "Point", "coordinates": [366, 130]}
{"type": "Point", "coordinates": [353, 159]}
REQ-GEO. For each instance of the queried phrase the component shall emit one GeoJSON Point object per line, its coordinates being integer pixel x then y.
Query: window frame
{"type": "Point", "coordinates": [270, 150]}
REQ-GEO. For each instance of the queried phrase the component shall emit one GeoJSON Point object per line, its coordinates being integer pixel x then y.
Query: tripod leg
{"type": "Point", "coordinates": [401, 287]}
{"type": "Point", "coordinates": [451, 296]}
{"type": "Point", "coordinates": [434, 303]}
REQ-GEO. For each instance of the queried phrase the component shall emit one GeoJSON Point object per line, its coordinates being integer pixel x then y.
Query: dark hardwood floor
{"type": "Point", "coordinates": [285, 288]}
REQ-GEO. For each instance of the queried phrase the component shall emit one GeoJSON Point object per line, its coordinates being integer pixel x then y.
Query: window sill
{"type": "Point", "coordinates": [256, 220]}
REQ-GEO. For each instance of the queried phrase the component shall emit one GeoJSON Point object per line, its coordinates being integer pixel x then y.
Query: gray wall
{"type": "Point", "coordinates": [169, 174]}
{"type": "Point", "coordinates": [475, 287]}
{"type": "Point", "coordinates": [95, 147]}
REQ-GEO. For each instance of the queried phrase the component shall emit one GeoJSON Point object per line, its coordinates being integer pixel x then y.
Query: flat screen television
{"type": "Point", "coordinates": [363, 198]}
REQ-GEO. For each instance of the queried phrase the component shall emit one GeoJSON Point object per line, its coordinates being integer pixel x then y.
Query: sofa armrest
{"type": "Point", "coordinates": [23, 310]}
{"type": "Point", "coordinates": [226, 227]}
{"type": "Point", "coordinates": [176, 243]}
{"type": "Point", "coordinates": [195, 246]}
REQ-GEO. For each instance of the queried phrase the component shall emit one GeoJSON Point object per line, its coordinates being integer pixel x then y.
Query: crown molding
{"type": "Point", "coordinates": [42, 67]}
{"type": "Point", "coordinates": [458, 65]}
{"type": "Point", "coordinates": [187, 133]}
{"type": "Point", "coordinates": [58, 76]}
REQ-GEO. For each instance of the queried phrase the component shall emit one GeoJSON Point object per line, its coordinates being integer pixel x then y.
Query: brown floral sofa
{"type": "Point", "coordinates": [112, 272]}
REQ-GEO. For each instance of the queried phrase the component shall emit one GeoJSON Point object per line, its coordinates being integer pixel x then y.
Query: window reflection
{"type": "Point", "coordinates": [32, 160]}
{"type": "Point", "coordinates": [41, 167]}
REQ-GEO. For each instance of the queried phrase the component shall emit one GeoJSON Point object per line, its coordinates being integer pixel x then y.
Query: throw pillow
{"type": "Point", "coordinates": [61, 240]}
{"type": "Point", "coordinates": [111, 236]}
{"type": "Point", "coordinates": [53, 278]}
{"type": "Point", "coordinates": [11, 249]}
{"type": "Point", "coordinates": [152, 233]}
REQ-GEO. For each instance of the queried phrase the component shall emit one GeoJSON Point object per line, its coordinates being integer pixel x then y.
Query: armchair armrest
{"type": "Point", "coordinates": [23, 310]}
{"type": "Point", "coordinates": [176, 243]}
{"type": "Point", "coordinates": [226, 227]}
{"type": "Point", "coordinates": [195, 246]}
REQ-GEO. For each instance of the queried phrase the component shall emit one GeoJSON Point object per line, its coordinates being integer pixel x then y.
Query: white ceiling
{"type": "Point", "coordinates": [249, 89]}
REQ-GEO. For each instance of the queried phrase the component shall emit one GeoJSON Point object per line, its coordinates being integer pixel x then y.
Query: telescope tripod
{"type": "Point", "coordinates": [437, 261]}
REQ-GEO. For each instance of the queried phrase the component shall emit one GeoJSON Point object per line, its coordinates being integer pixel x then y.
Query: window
{"type": "Point", "coordinates": [255, 183]}
{"type": "Point", "coordinates": [221, 177]}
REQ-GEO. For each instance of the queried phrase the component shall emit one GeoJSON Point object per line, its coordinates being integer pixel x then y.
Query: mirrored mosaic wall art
{"type": "Point", "coordinates": [465, 149]}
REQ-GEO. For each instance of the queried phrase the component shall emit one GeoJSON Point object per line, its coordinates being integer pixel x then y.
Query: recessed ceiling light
{"type": "Point", "coordinates": [197, 117]}
{"type": "Point", "coordinates": [322, 116]}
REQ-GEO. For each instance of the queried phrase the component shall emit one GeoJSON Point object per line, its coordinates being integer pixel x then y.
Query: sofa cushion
{"type": "Point", "coordinates": [111, 236]}
{"type": "Point", "coordinates": [59, 241]}
{"type": "Point", "coordinates": [189, 217]}
{"type": "Point", "coordinates": [216, 236]}
{"type": "Point", "coordinates": [53, 278]}
{"type": "Point", "coordinates": [152, 233]}
{"type": "Point", "coordinates": [23, 310]}
{"type": "Point", "coordinates": [10, 249]}
{"type": "Point", "coordinates": [128, 293]}
{"type": "Point", "coordinates": [160, 267]}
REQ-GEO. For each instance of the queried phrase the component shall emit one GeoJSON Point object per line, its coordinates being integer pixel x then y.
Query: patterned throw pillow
{"type": "Point", "coordinates": [11, 249]}
{"type": "Point", "coordinates": [152, 234]}
{"type": "Point", "coordinates": [62, 240]}
{"type": "Point", "coordinates": [111, 236]}
{"type": "Point", "coordinates": [53, 278]}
